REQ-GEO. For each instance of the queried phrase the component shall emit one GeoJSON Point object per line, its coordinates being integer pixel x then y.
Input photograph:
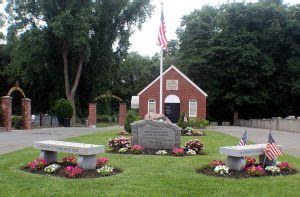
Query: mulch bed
{"type": "Point", "coordinates": [207, 170]}
{"type": "Point", "coordinates": [150, 152]}
{"type": "Point", "coordinates": [87, 174]}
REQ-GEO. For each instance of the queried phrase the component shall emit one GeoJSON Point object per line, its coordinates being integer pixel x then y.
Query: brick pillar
{"type": "Point", "coordinates": [26, 113]}
{"type": "Point", "coordinates": [122, 113]}
{"type": "Point", "coordinates": [6, 112]}
{"type": "Point", "coordinates": [92, 115]}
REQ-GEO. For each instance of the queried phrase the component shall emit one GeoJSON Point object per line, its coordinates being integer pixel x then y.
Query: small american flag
{"type": "Point", "coordinates": [162, 40]}
{"type": "Point", "coordinates": [243, 140]}
{"type": "Point", "coordinates": [272, 151]}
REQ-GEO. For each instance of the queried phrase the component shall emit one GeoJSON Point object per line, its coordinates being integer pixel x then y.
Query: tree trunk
{"type": "Point", "coordinates": [70, 93]}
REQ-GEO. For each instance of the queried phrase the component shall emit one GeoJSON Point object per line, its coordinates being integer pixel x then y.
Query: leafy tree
{"type": "Point", "coordinates": [79, 33]}
{"type": "Point", "coordinates": [245, 57]}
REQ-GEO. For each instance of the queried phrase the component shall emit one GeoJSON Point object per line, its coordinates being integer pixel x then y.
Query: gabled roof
{"type": "Point", "coordinates": [180, 73]}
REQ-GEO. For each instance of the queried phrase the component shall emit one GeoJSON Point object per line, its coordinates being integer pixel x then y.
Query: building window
{"type": "Point", "coordinates": [193, 108]}
{"type": "Point", "coordinates": [151, 106]}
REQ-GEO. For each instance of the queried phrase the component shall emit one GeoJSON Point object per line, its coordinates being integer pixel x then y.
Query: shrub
{"type": "Point", "coordinates": [104, 118]}
{"type": "Point", "coordinates": [36, 164]}
{"type": "Point", "coordinates": [198, 123]}
{"type": "Point", "coordinates": [17, 121]}
{"type": "Point", "coordinates": [130, 118]}
{"type": "Point", "coordinates": [70, 160]}
{"type": "Point", "coordinates": [117, 143]}
{"type": "Point", "coordinates": [215, 163]}
{"type": "Point", "coordinates": [181, 123]}
{"type": "Point", "coordinates": [255, 171]}
{"type": "Point", "coordinates": [105, 171]}
{"type": "Point", "coordinates": [63, 109]}
{"type": "Point", "coordinates": [178, 152]}
{"type": "Point", "coordinates": [102, 161]}
{"type": "Point", "coordinates": [73, 172]}
{"type": "Point", "coordinates": [194, 145]}
{"type": "Point", "coordinates": [137, 149]}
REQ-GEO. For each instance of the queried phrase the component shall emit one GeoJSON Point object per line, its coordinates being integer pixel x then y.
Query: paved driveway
{"type": "Point", "coordinates": [19, 139]}
{"type": "Point", "coordinates": [289, 140]}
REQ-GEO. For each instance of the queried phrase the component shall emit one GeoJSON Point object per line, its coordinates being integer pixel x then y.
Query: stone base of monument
{"type": "Point", "coordinates": [267, 162]}
{"type": "Point", "coordinates": [49, 156]}
{"type": "Point", "coordinates": [236, 163]}
{"type": "Point", "coordinates": [87, 162]}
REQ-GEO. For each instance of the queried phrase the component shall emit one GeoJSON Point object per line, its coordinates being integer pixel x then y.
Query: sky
{"type": "Point", "coordinates": [144, 41]}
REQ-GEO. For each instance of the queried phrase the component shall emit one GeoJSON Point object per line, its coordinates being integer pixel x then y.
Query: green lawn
{"type": "Point", "coordinates": [145, 175]}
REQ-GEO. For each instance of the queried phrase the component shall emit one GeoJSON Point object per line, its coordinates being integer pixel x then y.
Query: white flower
{"type": "Point", "coordinates": [161, 152]}
{"type": "Point", "coordinates": [123, 150]}
{"type": "Point", "coordinates": [273, 169]}
{"type": "Point", "coordinates": [52, 168]}
{"type": "Point", "coordinates": [191, 152]}
{"type": "Point", "coordinates": [221, 169]}
{"type": "Point", "coordinates": [105, 170]}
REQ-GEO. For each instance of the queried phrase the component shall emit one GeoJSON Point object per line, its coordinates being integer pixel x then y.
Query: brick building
{"type": "Point", "coordinates": [180, 94]}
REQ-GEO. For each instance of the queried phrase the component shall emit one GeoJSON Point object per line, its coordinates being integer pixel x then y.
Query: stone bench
{"type": "Point", "coordinates": [236, 155]}
{"type": "Point", "coordinates": [86, 152]}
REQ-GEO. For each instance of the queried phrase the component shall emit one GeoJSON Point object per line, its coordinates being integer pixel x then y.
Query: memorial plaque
{"type": "Point", "coordinates": [172, 85]}
{"type": "Point", "coordinates": [155, 134]}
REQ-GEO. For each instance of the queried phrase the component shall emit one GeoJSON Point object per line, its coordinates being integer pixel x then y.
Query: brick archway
{"type": "Point", "coordinates": [6, 108]}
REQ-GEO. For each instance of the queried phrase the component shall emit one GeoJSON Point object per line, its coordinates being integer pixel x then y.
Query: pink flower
{"type": "Point", "coordinates": [102, 161]}
{"type": "Point", "coordinates": [73, 172]}
{"type": "Point", "coordinates": [37, 164]}
{"type": "Point", "coordinates": [137, 149]}
{"type": "Point", "coordinates": [284, 166]}
{"type": "Point", "coordinates": [69, 169]}
{"type": "Point", "coordinates": [255, 170]}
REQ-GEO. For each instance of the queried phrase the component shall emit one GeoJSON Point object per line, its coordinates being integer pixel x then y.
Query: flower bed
{"type": "Point", "coordinates": [189, 131]}
{"type": "Point", "coordinates": [252, 169]}
{"type": "Point", "coordinates": [121, 145]}
{"type": "Point", "coordinates": [68, 168]}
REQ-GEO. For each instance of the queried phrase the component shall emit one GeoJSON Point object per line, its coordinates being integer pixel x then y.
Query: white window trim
{"type": "Point", "coordinates": [190, 101]}
{"type": "Point", "coordinates": [150, 101]}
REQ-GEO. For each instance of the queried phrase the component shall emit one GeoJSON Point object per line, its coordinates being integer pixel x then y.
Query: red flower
{"type": "Point", "coordinates": [250, 161]}
{"type": "Point", "coordinates": [69, 160]}
{"type": "Point", "coordinates": [178, 152]}
{"type": "Point", "coordinates": [215, 163]}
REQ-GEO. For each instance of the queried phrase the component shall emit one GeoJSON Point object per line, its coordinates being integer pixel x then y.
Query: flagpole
{"type": "Point", "coordinates": [161, 81]}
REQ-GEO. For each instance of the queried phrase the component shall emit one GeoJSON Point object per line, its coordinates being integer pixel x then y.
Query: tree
{"type": "Point", "coordinates": [245, 57]}
{"type": "Point", "coordinates": [73, 27]}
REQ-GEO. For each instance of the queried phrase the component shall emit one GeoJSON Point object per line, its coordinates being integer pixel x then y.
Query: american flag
{"type": "Point", "coordinates": [243, 140]}
{"type": "Point", "coordinates": [162, 40]}
{"type": "Point", "coordinates": [272, 151]}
